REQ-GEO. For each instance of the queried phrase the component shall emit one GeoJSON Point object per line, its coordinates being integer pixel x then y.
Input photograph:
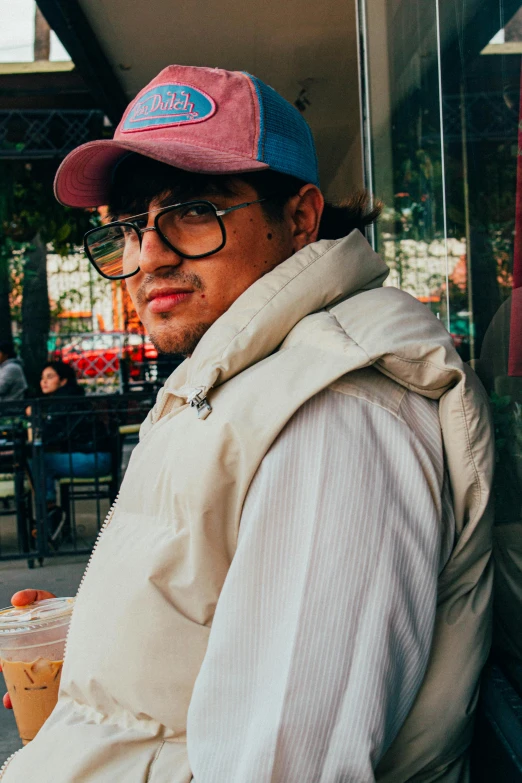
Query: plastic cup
{"type": "Point", "coordinates": [32, 642]}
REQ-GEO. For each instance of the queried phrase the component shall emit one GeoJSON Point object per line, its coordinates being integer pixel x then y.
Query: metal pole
{"type": "Point", "coordinates": [38, 468]}
{"type": "Point", "coordinates": [91, 297]}
{"type": "Point", "coordinates": [365, 107]}
{"type": "Point", "coordinates": [443, 164]}
{"type": "Point", "coordinates": [22, 519]}
{"type": "Point", "coordinates": [469, 280]}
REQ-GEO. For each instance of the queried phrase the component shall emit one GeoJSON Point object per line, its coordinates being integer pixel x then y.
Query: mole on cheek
{"type": "Point", "coordinates": [269, 236]}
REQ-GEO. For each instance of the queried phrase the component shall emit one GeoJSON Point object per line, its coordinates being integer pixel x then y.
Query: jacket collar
{"type": "Point", "coordinates": [316, 277]}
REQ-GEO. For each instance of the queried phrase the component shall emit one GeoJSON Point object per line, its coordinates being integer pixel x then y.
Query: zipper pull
{"type": "Point", "coordinates": [198, 400]}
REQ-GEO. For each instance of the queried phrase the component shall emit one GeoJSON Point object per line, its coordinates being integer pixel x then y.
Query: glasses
{"type": "Point", "coordinates": [193, 229]}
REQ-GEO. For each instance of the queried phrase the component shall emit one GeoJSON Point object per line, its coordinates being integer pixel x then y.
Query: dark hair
{"type": "Point", "coordinates": [337, 220]}
{"type": "Point", "coordinates": [7, 347]}
{"type": "Point", "coordinates": [65, 372]}
{"type": "Point", "coordinates": [137, 180]}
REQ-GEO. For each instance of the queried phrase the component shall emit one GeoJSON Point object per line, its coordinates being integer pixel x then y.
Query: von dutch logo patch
{"type": "Point", "coordinates": [168, 104]}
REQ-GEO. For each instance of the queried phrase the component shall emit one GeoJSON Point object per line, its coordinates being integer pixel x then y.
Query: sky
{"type": "Point", "coordinates": [17, 33]}
{"type": "Point", "coordinates": [497, 39]}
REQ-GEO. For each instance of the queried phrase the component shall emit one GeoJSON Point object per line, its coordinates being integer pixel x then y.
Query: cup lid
{"type": "Point", "coordinates": [41, 614]}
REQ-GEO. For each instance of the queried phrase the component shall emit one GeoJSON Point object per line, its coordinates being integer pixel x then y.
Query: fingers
{"type": "Point", "coordinates": [26, 597]}
{"type": "Point", "coordinates": [7, 699]}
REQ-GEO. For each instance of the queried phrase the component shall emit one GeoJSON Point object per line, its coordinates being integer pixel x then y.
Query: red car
{"type": "Point", "coordinates": [95, 355]}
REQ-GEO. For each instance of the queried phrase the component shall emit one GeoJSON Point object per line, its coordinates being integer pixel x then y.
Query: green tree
{"type": "Point", "coordinates": [33, 222]}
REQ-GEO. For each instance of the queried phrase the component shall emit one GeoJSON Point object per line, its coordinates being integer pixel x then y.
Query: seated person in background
{"type": "Point", "coordinates": [12, 378]}
{"type": "Point", "coordinates": [75, 441]}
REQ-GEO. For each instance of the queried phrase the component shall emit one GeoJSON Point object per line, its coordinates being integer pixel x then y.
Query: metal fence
{"type": "Point", "coordinates": [46, 133]}
{"type": "Point", "coordinates": [61, 465]}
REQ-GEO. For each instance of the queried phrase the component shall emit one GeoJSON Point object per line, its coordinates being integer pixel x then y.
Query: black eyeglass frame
{"type": "Point", "coordinates": [160, 212]}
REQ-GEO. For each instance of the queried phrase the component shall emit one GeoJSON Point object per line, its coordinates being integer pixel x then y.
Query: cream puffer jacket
{"type": "Point", "coordinates": [132, 661]}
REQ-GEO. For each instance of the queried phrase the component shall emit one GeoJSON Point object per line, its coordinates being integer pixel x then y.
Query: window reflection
{"type": "Point", "coordinates": [444, 96]}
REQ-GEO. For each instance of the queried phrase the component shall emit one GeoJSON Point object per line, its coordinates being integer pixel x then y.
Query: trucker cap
{"type": "Point", "coordinates": [204, 120]}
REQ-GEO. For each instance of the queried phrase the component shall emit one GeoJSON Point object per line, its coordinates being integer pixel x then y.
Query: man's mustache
{"type": "Point", "coordinates": [176, 276]}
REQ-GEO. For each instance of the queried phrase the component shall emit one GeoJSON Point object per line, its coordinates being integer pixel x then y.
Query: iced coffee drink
{"type": "Point", "coordinates": [32, 643]}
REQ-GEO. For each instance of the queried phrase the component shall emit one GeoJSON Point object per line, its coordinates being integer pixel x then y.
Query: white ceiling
{"type": "Point", "coordinates": [288, 44]}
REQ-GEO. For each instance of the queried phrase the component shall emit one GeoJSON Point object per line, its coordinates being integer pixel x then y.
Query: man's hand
{"type": "Point", "coordinates": [19, 599]}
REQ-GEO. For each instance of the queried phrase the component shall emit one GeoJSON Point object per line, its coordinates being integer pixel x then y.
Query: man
{"type": "Point", "coordinates": [294, 583]}
{"type": "Point", "coordinates": [12, 378]}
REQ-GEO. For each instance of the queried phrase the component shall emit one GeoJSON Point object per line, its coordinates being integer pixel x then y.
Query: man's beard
{"type": "Point", "coordinates": [181, 341]}
{"type": "Point", "coordinates": [172, 339]}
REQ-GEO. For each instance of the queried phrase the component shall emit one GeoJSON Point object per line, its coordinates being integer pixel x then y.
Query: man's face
{"type": "Point", "coordinates": [178, 299]}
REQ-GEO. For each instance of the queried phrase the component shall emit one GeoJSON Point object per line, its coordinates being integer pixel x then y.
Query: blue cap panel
{"type": "Point", "coordinates": [285, 141]}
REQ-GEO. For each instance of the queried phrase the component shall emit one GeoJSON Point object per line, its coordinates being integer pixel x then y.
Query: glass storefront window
{"type": "Point", "coordinates": [405, 149]}
{"type": "Point", "coordinates": [443, 134]}
{"type": "Point", "coordinates": [443, 98]}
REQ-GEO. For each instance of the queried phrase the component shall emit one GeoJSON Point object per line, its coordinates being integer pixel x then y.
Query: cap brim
{"type": "Point", "coordinates": [84, 176]}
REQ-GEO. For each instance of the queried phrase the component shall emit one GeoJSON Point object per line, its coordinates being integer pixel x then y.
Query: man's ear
{"type": "Point", "coordinates": [305, 210]}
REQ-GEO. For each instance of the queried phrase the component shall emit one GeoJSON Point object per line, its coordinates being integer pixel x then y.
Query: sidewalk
{"type": "Point", "coordinates": [59, 575]}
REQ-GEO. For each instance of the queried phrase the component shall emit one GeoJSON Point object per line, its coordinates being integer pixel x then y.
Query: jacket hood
{"type": "Point", "coordinates": [316, 277]}
{"type": "Point", "coordinates": [320, 283]}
